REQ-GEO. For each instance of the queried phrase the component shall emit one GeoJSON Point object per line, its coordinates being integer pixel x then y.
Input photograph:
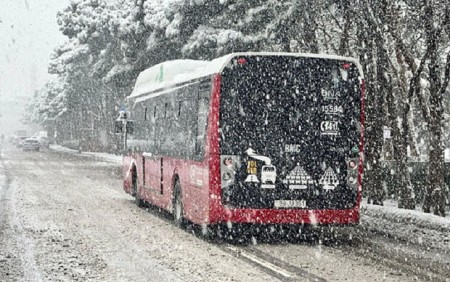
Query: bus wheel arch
{"type": "Point", "coordinates": [134, 187]}
{"type": "Point", "coordinates": [133, 173]}
{"type": "Point", "coordinates": [177, 203]}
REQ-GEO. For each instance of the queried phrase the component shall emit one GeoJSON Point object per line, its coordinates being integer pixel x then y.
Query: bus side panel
{"type": "Point", "coordinates": [203, 196]}
{"type": "Point", "coordinates": [152, 179]}
{"type": "Point", "coordinates": [194, 184]}
{"type": "Point", "coordinates": [193, 178]}
{"type": "Point", "coordinates": [213, 151]}
{"type": "Point", "coordinates": [158, 190]}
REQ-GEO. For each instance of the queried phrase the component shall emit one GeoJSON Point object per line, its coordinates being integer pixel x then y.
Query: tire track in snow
{"type": "Point", "coordinates": [25, 247]}
{"type": "Point", "coordinates": [271, 265]}
{"type": "Point", "coordinates": [403, 256]}
{"type": "Point", "coordinates": [398, 254]}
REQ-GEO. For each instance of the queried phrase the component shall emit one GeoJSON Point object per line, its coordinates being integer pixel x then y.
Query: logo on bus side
{"type": "Point", "coordinates": [251, 170]}
{"type": "Point", "coordinates": [332, 110]}
{"type": "Point", "coordinates": [329, 179]}
{"type": "Point", "coordinates": [251, 167]}
{"type": "Point", "coordinates": [298, 178]}
{"type": "Point", "coordinates": [329, 127]}
{"type": "Point", "coordinates": [292, 148]}
{"type": "Point", "coordinates": [160, 75]}
{"type": "Point", "coordinates": [196, 175]}
{"type": "Point", "coordinates": [330, 94]}
{"type": "Point", "coordinates": [268, 171]}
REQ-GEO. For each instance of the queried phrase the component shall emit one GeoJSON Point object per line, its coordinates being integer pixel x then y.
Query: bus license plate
{"type": "Point", "coordinates": [290, 204]}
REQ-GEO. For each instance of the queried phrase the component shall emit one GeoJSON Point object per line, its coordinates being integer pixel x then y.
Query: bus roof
{"type": "Point", "coordinates": [170, 73]}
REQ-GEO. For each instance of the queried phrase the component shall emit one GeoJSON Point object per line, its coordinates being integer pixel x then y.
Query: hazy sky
{"type": "Point", "coordinates": [28, 34]}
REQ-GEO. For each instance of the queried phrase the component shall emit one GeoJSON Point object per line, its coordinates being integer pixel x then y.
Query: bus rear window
{"type": "Point", "coordinates": [276, 102]}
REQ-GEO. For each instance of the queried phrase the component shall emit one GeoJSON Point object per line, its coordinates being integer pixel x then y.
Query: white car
{"type": "Point", "coordinates": [19, 141]}
{"type": "Point", "coordinates": [44, 141]}
{"type": "Point", "coordinates": [31, 144]}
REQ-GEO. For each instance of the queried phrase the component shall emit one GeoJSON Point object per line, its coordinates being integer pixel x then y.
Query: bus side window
{"type": "Point", "coordinates": [202, 116]}
{"type": "Point", "coordinates": [159, 124]}
{"type": "Point", "coordinates": [149, 122]}
{"type": "Point", "coordinates": [182, 130]}
{"type": "Point", "coordinates": [165, 128]}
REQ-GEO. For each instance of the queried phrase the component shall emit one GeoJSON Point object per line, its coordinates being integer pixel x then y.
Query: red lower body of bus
{"type": "Point", "coordinates": [201, 194]}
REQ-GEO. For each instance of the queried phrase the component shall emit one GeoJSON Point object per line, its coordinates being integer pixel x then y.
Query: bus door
{"type": "Point", "coordinates": [164, 133]}
{"type": "Point", "coordinates": [152, 174]}
{"type": "Point", "coordinates": [152, 161]}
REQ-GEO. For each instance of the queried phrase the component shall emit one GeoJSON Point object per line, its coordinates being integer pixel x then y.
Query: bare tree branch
{"type": "Point", "coordinates": [415, 87]}
{"type": "Point", "coordinates": [446, 75]}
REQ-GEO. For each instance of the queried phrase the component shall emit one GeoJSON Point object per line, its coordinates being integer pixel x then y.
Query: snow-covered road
{"type": "Point", "coordinates": [65, 218]}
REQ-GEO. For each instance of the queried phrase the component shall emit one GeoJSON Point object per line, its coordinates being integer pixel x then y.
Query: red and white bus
{"type": "Point", "coordinates": [251, 138]}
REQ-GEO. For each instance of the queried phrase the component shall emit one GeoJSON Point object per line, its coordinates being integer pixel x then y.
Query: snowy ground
{"type": "Point", "coordinates": [65, 217]}
{"type": "Point", "coordinates": [100, 156]}
{"type": "Point", "coordinates": [412, 226]}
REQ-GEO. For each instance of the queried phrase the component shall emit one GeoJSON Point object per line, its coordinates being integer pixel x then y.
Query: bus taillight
{"type": "Point", "coordinates": [241, 61]}
{"type": "Point", "coordinates": [352, 180]}
{"type": "Point", "coordinates": [346, 66]}
{"type": "Point", "coordinates": [352, 177]}
{"type": "Point", "coordinates": [228, 167]}
{"type": "Point", "coordinates": [228, 161]}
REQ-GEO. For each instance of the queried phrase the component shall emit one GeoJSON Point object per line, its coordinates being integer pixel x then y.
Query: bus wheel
{"type": "Point", "coordinates": [178, 217]}
{"type": "Point", "coordinates": [137, 198]}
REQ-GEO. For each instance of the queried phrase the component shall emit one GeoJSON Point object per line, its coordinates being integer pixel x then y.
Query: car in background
{"type": "Point", "coordinates": [19, 141]}
{"type": "Point", "coordinates": [44, 141]}
{"type": "Point", "coordinates": [31, 144]}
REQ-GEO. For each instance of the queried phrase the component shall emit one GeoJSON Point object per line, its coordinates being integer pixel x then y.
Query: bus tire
{"type": "Point", "coordinates": [178, 215]}
{"type": "Point", "coordinates": [137, 198]}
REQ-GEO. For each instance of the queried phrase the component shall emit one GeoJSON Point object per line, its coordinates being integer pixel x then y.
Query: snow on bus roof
{"type": "Point", "coordinates": [167, 74]}
{"type": "Point", "coordinates": [170, 73]}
